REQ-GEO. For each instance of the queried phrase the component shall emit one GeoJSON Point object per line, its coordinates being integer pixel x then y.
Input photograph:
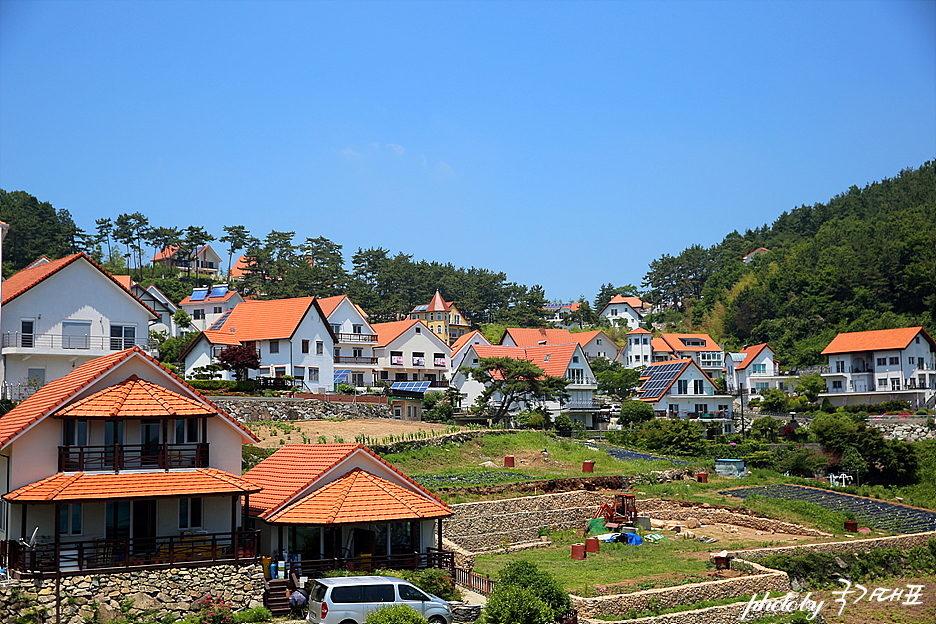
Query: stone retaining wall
{"type": "Point", "coordinates": [711, 514]}
{"type": "Point", "coordinates": [252, 409]}
{"type": "Point", "coordinates": [763, 580]}
{"type": "Point", "coordinates": [486, 525]}
{"type": "Point", "coordinates": [906, 429]}
{"type": "Point", "coordinates": [727, 614]}
{"type": "Point", "coordinates": [859, 545]}
{"type": "Point", "coordinates": [158, 593]}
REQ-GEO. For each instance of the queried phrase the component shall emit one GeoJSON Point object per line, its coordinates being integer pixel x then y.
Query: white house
{"type": "Point", "coordinates": [760, 251]}
{"type": "Point", "coordinates": [59, 314]}
{"type": "Point", "coordinates": [409, 351]}
{"type": "Point", "coordinates": [680, 388]}
{"type": "Point", "coordinates": [292, 336]}
{"type": "Point", "coordinates": [560, 314]}
{"type": "Point", "coordinates": [700, 347]}
{"type": "Point", "coordinates": [623, 310]}
{"type": "Point", "coordinates": [882, 365]}
{"type": "Point", "coordinates": [119, 466]}
{"type": "Point", "coordinates": [158, 302]}
{"type": "Point", "coordinates": [567, 361]}
{"type": "Point", "coordinates": [206, 305]}
{"type": "Point", "coordinates": [460, 349]}
{"type": "Point", "coordinates": [755, 369]}
{"type": "Point", "coordinates": [638, 350]}
{"type": "Point", "coordinates": [203, 261]}
{"type": "Point", "coordinates": [354, 350]}
{"type": "Point", "coordinates": [595, 344]}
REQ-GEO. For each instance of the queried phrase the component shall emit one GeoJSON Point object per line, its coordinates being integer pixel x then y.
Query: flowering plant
{"type": "Point", "coordinates": [213, 610]}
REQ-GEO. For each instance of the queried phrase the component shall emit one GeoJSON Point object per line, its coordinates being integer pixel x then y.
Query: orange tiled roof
{"type": "Point", "coordinates": [360, 496]}
{"type": "Point", "coordinates": [633, 302]}
{"type": "Point", "coordinates": [240, 267]}
{"type": "Point", "coordinates": [676, 344]}
{"type": "Point", "coordinates": [464, 339]}
{"type": "Point", "coordinates": [58, 392]}
{"type": "Point", "coordinates": [124, 280]}
{"type": "Point", "coordinates": [170, 251]}
{"type": "Point", "coordinates": [583, 338]}
{"type": "Point", "coordinates": [81, 486]}
{"type": "Point", "coordinates": [220, 337]}
{"type": "Point", "coordinates": [658, 344]}
{"type": "Point", "coordinates": [877, 340]}
{"type": "Point", "coordinates": [750, 353]}
{"type": "Point", "coordinates": [531, 337]}
{"type": "Point", "coordinates": [639, 330]}
{"type": "Point", "coordinates": [270, 320]}
{"type": "Point", "coordinates": [553, 359]}
{"type": "Point", "coordinates": [329, 304]}
{"type": "Point", "coordinates": [22, 281]}
{"type": "Point", "coordinates": [304, 464]}
{"type": "Point", "coordinates": [135, 398]}
{"type": "Point", "coordinates": [388, 332]}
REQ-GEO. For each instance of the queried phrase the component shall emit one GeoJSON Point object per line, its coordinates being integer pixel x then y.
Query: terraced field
{"type": "Point", "coordinates": [868, 511]}
{"type": "Point", "coordinates": [622, 453]}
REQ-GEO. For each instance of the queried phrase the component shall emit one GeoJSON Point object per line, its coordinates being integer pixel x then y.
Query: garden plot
{"type": "Point", "coordinates": [873, 513]}
{"type": "Point", "coordinates": [626, 454]}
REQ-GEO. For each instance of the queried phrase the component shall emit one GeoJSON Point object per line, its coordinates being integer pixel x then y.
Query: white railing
{"type": "Point", "coordinates": [72, 343]}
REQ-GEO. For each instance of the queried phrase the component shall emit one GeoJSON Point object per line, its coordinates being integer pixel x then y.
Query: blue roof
{"type": "Point", "coordinates": [341, 375]}
{"type": "Point", "coordinates": [411, 386]}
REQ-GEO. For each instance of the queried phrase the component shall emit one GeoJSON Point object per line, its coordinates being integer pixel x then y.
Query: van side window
{"type": "Point", "coordinates": [379, 593]}
{"type": "Point", "coordinates": [408, 592]}
{"type": "Point", "coordinates": [346, 594]}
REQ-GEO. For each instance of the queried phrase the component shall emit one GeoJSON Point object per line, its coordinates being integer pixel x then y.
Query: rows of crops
{"type": "Point", "coordinates": [478, 478]}
{"type": "Point", "coordinates": [626, 454]}
{"type": "Point", "coordinates": [868, 511]}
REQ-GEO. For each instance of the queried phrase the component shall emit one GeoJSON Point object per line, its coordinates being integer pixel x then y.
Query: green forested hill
{"type": "Point", "coordinates": [864, 260]}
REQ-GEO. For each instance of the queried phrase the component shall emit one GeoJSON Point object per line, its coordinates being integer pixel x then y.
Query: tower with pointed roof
{"type": "Point", "coordinates": [443, 318]}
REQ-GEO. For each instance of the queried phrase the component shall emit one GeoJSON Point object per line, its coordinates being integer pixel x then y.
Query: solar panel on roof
{"type": "Point", "coordinates": [220, 322]}
{"type": "Point", "coordinates": [199, 294]}
{"type": "Point", "coordinates": [411, 386]}
{"type": "Point", "coordinates": [341, 376]}
{"type": "Point", "coordinates": [660, 378]}
{"type": "Point", "coordinates": [421, 308]}
{"type": "Point", "coordinates": [218, 291]}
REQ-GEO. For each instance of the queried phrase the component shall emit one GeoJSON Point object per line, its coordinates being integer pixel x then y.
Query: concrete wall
{"type": "Point", "coordinates": [157, 592]}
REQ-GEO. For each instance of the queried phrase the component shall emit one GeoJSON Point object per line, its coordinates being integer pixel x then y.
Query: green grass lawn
{"type": "Point", "coordinates": [672, 562]}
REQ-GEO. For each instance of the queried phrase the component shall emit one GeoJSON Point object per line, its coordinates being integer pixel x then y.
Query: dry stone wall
{"type": "Point", "coordinates": [152, 593]}
{"type": "Point", "coordinates": [713, 514]}
{"type": "Point", "coordinates": [487, 525]}
{"type": "Point", "coordinates": [621, 605]}
{"type": "Point", "coordinates": [253, 409]}
{"type": "Point", "coordinates": [910, 540]}
{"type": "Point", "coordinates": [906, 429]}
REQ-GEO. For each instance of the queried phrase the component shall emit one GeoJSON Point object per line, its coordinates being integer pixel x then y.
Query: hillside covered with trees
{"type": "Point", "coordinates": [864, 260]}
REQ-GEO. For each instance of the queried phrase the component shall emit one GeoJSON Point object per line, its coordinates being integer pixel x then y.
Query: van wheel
{"type": "Point", "coordinates": [349, 622]}
{"type": "Point", "coordinates": [437, 619]}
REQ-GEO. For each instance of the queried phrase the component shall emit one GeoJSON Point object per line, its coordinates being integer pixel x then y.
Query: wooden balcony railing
{"type": "Point", "coordinates": [119, 457]}
{"type": "Point", "coordinates": [432, 558]}
{"type": "Point", "coordinates": [116, 555]}
{"type": "Point", "coordinates": [357, 337]}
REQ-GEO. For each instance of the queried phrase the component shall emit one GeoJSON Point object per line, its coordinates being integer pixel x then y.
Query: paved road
{"type": "Point", "coordinates": [868, 511]}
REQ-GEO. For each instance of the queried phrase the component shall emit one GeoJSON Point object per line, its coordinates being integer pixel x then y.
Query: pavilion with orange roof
{"type": "Point", "coordinates": [122, 465]}
{"type": "Point", "coordinates": [334, 506]}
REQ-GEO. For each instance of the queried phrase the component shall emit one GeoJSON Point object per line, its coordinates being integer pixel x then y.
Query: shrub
{"type": "Point", "coordinates": [213, 610]}
{"type": "Point", "coordinates": [396, 614]}
{"type": "Point", "coordinates": [510, 604]}
{"type": "Point", "coordinates": [525, 574]}
{"type": "Point", "coordinates": [563, 423]}
{"type": "Point", "coordinates": [633, 412]}
{"type": "Point", "coordinates": [212, 385]}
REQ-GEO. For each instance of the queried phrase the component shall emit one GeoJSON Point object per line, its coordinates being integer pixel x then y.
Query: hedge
{"type": "Point", "coordinates": [219, 384]}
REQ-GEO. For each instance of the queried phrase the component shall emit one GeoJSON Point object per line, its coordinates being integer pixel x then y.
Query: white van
{"type": "Point", "coordinates": [349, 599]}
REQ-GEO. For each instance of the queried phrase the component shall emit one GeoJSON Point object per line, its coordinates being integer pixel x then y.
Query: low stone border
{"type": "Point", "coordinates": [765, 580]}
{"type": "Point", "coordinates": [667, 510]}
{"type": "Point", "coordinates": [909, 540]}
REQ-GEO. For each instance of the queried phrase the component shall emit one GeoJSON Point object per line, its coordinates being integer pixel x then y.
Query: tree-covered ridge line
{"type": "Point", "coordinates": [387, 286]}
{"type": "Point", "coordinates": [865, 260]}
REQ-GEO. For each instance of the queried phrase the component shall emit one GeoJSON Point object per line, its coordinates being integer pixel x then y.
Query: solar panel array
{"type": "Point", "coordinates": [199, 294]}
{"type": "Point", "coordinates": [411, 386]}
{"type": "Point", "coordinates": [421, 308]}
{"type": "Point", "coordinates": [341, 376]}
{"type": "Point", "coordinates": [661, 377]}
{"type": "Point", "coordinates": [218, 291]}
{"type": "Point", "coordinates": [220, 322]}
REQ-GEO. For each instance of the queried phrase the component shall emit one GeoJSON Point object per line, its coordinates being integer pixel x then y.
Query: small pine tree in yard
{"type": "Point", "coordinates": [396, 614]}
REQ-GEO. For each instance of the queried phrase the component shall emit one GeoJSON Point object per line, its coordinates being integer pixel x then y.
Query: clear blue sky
{"type": "Point", "coordinates": [565, 143]}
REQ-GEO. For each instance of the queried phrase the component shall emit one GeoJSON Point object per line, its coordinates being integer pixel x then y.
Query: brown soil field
{"type": "Point", "coordinates": [377, 428]}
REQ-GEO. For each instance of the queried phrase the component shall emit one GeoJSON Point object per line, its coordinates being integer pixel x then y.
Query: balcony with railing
{"type": "Point", "coordinates": [348, 359]}
{"type": "Point", "coordinates": [432, 558]}
{"type": "Point", "coordinates": [356, 337]}
{"type": "Point", "coordinates": [121, 555]}
{"type": "Point", "coordinates": [17, 342]}
{"type": "Point", "coordinates": [117, 457]}
{"type": "Point", "coordinates": [581, 406]}
{"type": "Point", "coordinates": [576, 382]}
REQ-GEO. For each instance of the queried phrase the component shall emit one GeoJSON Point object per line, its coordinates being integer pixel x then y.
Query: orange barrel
{"type": "Point", "coordinates": [592, 544]}
{"type": "Point", "coordinates": [702, 477]}
{"type": "Point", "coordinates": [588, 466]}
{"type": "Point", "coordinates": [851, 526]}
{"type": "Point", "coordinates": [578, 552]}
{"type": "Point", "coordinates": [508, 461]}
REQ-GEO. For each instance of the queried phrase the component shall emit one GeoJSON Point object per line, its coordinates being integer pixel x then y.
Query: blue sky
{"type": "Point", "coordinates": [567, 144]}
